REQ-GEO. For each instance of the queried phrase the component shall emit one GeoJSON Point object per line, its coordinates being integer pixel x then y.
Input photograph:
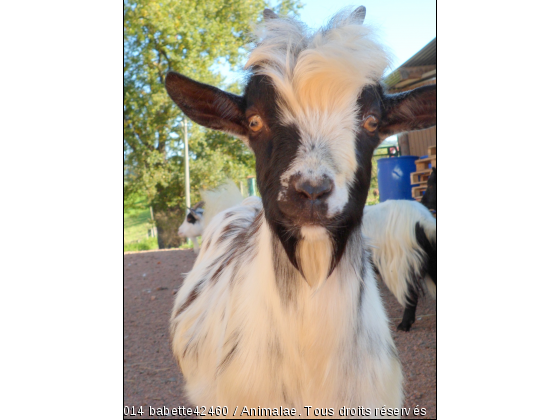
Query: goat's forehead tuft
{"type": "Point", "coordinates": [322, 69]}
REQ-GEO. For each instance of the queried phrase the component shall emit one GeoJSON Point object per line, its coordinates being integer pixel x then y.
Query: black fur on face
{"type": "Point", "coordinates": [191, 219]}
{"type": "Point", "coordinates": [194, 215]}
{"type": "Point", "coordinates": [275, 147]}
{"type": "Point", "coordinates": [350, 220]}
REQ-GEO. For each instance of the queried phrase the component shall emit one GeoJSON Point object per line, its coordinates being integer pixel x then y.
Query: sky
{"type": "Point", "coordinates": [405, 26]}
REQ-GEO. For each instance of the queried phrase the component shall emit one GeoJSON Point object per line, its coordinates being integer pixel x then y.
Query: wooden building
{"type": "Point", "coordinates": [419, 70]}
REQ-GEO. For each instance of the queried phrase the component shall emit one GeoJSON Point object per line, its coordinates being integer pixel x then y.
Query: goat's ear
{"type": "Point", "coordinates": [198, 205]}
{"type": "Point", "coordinates": [208, 105]}
{"type": "Point", "coordinates": [358, 16]}
{"type": "Point", "coordinates": [269, 14]}
{"type": "Point", "coordinates": [408, 111]}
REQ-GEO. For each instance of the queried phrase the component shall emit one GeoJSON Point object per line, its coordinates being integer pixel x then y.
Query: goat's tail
{"type": "Point", "coordinates": [219, 199]}
{"type": "Point", "coordinates": [402, 237]}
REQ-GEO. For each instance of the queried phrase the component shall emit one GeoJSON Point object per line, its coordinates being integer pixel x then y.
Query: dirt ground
{"type": "Point", "coordinates": [151, 377]}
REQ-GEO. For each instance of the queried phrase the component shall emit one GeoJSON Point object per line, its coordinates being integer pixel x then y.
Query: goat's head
{"type": "Point", "coordinates": [313, 112]}
{"type": "Point", "coordinates": [192, 226]}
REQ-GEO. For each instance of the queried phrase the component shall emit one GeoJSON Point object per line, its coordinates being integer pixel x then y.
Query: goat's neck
{"type": "Point", "coordinates": [312, 321]}
{"type": "Point", "coordinates": [315, 258]}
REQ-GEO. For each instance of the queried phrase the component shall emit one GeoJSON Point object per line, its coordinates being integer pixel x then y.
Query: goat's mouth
{"type": "Point", "coordinates": [305, 217]}
{"type": "Point", "coordinates": [305, 213]}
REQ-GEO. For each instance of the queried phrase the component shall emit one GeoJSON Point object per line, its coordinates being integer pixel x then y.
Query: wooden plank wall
{"type": "Point", "coordinates": [421, 140]}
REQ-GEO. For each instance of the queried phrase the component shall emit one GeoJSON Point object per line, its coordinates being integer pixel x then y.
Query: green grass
{"type": "Point", "coordinates": [189, 245]}
{"type": "Point", "coordinates": [147, 244]}
{"type": "Point", "coordinates": [137, 222]}
{"type": "Point", "coordinates": [372, 200]}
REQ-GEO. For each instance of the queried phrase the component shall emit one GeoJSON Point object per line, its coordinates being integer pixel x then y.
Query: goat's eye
{"type": "Point", "coordinates": [371, 123]}
{"type": "Point", "coordinates": [255, 123]}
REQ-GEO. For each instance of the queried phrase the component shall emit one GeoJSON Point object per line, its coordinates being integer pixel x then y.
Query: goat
{"type": "Point", "coordinates": [192, 226]}
{"type": "Point", "coordinates": [402, 235]}
{"type": "Point", "coordinates": [225, 196]}
{"type": "Point", "coordinates": [430, 196]}
{"type": "Point", "coordinates": [282, 308]}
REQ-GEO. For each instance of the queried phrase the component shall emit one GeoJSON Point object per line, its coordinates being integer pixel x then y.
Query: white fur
{"type": "Point", "coordinates": [303, 64]}
{"type": "Point", "coordinates": [314, 256]}
{"type": "Point", "coordinates": [319, 75]}
{"type": "Point", "coordinates": [311, 352]}
{"type": "Point", "coordinates": [390, 230]}
{"type": "Point", "coordinates": [314, 233]}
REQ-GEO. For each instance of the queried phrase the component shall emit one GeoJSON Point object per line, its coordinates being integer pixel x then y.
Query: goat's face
{"type": "Point", "coordinates": [313, 112]}
{"type": "Point", "coordinates": [314, 168]}
{"type": "Point", "coordinates": [192, 226]}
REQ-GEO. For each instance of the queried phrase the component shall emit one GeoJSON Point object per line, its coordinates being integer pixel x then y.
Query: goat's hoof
{"type": "Point", "coordinates": [404, 327]}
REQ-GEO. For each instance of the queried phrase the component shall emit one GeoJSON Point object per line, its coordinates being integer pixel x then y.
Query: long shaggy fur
{"type": "Point", "coordinates": [303, 64]}
{"type": "Point", "coordinates": [247, 329]}
{"type": "Point", "coordinates": [390, 229]}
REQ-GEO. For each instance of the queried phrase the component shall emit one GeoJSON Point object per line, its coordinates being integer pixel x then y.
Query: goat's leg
{"type": "Point", "coordinates": [409, 316]}
{"type": "Point", "coordinates": [195, 245]}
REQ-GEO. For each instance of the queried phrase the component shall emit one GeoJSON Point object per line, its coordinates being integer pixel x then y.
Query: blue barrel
{"type": "Point", "coordinates": [394, 177]}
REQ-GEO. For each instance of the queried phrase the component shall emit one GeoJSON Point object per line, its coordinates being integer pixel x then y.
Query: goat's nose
{"type": "Point", "coordinates": [314, 191]}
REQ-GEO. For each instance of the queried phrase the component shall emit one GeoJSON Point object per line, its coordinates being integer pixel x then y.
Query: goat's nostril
{"type": "Point", "coordinates": [310, 191]}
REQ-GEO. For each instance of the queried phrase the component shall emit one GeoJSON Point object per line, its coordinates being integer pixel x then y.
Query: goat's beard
{"type": "Point", "coordinates": [330, 240]}
{"type": "Point", "coordinates": [314, 257]}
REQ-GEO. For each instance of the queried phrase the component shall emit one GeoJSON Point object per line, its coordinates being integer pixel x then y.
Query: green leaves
{"type": "Point", "coordinates": [190, 37]}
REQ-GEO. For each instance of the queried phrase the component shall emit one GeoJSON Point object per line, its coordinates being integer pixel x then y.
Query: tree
{"type": "Point", "coordinates": [196, 38]}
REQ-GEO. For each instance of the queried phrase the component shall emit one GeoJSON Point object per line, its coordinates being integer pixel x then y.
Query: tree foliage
{"type": "Point", "coordinates": [196, 38]}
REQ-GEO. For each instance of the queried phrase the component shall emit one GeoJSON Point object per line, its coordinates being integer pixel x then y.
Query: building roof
{"type": "Point", "coordinates": [419, 68]}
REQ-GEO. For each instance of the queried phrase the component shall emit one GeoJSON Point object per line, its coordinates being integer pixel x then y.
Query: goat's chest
{"type": "Point", "coordinates": [294, 352]}
{"type": "Point", "coordinates": [252, 338]}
